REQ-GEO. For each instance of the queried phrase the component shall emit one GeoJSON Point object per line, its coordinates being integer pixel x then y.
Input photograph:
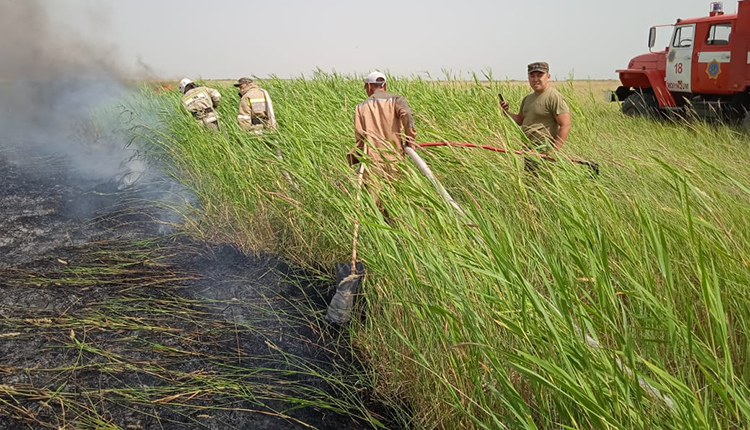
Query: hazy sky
{"type": "Point", "coordinates": [232, 38]}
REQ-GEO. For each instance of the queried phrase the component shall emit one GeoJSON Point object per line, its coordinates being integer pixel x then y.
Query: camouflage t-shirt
{"type": "Point", "coordinates": [539, 116]}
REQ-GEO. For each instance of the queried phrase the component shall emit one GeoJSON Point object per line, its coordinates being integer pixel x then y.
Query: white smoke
{"type": "Point", "coordinates": [52, 82]}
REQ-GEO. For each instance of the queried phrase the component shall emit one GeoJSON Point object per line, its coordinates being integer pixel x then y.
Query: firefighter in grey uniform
{"type": "Point", "coordinates": [201, 102]}
{"type": "Point", "coordinates": [256, 109]}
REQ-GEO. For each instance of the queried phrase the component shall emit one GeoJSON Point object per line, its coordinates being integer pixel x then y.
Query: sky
{"type": "Point", "coordinates": [218, 39]}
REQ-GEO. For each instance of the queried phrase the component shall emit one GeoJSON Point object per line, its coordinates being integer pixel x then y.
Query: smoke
{"type": "Point", "coordinates": [52, 81]}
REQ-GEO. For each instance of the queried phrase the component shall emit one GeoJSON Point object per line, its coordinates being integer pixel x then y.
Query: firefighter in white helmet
{"type": "Point", "coordinates": [201, 102]}
{"type": "Point", "coordinates": [256, 109]}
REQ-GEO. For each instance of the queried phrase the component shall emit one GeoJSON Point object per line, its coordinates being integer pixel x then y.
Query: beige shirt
{"type": "Point", "coordinates": [256, 109]}
{"type": "Point", "coordinates": [201, 102]}
{"type": "Point", "coordinates": [540, 115]}
{"type": "Point", "coordinates": [380, 120]}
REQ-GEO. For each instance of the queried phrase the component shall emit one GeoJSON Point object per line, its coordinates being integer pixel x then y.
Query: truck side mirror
{"type": "Point", "coordinates": [651, 37]}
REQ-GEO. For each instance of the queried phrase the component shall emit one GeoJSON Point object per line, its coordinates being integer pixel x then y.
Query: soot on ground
{"type": "Point", "coordinates": [106, 321]}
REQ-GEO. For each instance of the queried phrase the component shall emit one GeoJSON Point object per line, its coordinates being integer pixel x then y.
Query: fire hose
{"type": "Point", "coordinates": [592, 165]}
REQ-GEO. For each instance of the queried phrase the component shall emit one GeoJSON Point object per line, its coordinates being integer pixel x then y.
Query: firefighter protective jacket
{"type": "Point", "coordinates": [256, 109]}
{"type": "Point", "coordinates": [201, 102]}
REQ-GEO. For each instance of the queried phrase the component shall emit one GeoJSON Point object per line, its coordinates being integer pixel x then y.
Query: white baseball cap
{"type": "Point", "coordinates": [375, 78]}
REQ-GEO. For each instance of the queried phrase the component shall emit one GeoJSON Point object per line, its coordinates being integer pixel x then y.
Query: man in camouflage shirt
{"type": "Point", "coordinates": [544, 115]}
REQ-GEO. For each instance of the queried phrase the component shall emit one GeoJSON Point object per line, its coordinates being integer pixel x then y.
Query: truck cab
{"type": "Point", "coordinates": [705, 68]}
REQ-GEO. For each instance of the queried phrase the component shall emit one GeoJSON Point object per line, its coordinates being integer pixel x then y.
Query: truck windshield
{"type": "Point", "coordinates": [719, 34]}
{"type": "Point", "coordinates": [683, 37]}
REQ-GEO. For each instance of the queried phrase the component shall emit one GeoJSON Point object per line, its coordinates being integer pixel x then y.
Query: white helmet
{"type": "Point", "coordinates": [184, 83]}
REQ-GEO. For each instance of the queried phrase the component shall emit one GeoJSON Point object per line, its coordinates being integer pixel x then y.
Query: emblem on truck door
{"type": "Point", "coordinates": [713, 69]}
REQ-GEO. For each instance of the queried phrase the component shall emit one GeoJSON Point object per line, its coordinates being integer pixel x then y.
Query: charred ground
{"type": "Point", "coordinates": [107, 322]}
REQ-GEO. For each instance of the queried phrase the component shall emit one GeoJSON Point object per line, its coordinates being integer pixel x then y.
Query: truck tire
{"type": "Point", "coordinates": [640, 104]}
{"type": "Point", "coordinates": [745, 122]}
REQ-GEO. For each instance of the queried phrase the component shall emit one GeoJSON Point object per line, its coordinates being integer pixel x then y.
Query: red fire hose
{"type": "Point", "coordinates": [594, 166]}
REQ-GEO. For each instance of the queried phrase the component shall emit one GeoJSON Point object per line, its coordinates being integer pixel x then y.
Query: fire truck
{"type": "Point", "coordinates": [705, 69]}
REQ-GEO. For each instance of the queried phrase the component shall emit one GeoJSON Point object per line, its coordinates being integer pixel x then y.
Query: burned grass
{"type": "Point", "coordinates": [104, 323]}
{"type": "Point", "coordinates": [130, 338]}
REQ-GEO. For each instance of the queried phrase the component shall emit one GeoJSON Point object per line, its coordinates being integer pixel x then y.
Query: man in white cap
{"type": "Point", "coordinates": [383, 125]}
{"type": "Point", "coordinates": [201, 102]}
{"type": "Point", "coordinates": [385, 120]}
{"type": "Point", "coordinates": [544, 115]}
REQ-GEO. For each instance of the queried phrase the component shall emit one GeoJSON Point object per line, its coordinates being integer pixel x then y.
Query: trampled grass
{"type": "Point", "coordinates": [617, 301]}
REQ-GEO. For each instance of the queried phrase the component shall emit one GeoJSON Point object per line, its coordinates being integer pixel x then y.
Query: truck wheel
{"type": "Point", "coordinates": [639, 104]}
{"type": "Point", "coordinates": [745, 122]}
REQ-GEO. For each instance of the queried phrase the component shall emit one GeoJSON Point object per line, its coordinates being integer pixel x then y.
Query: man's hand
{"type": "Point", "coordinates": [352, 159]}
{"type": "Point", "coordinates": [518, 118]}
{"type": "Point", "coordinates": [354, 155]}
{"type": "Point", "coordinates": [410, 137]}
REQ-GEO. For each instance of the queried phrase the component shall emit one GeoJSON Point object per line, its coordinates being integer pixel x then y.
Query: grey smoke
{"type": "Point", "coordinates": [51, 83]}
{"type": "Point", "coordinates": [52, 80]}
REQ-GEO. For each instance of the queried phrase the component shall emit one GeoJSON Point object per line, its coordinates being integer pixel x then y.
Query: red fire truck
{"type": "Point", "coordinates": [705, 69]}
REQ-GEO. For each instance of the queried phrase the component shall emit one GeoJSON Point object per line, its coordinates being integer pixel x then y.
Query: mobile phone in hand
{"type": "Point", "coordinates": [501, 97]}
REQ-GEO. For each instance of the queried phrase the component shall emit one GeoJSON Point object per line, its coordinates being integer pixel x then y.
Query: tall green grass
{"type": "Point", "coordinates": [619, 301]}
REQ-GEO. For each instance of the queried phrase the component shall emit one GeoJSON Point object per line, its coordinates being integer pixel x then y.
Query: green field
{"type": "Point", "coordinates": [616, 301]}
